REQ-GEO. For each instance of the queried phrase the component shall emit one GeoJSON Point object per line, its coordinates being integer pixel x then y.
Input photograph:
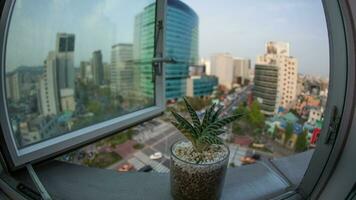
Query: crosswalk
{"type": "Point", "coordinates": [142, 159]}
{"type": "Point", "coordinates": [136, 163]}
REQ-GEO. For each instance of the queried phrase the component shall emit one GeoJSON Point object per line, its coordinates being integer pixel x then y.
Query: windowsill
{"type": "Point", "coordinates": [259, 181]}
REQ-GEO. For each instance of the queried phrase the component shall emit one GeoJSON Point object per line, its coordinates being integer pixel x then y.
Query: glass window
{"type": "Point", "coordinates": [75, 70]}
{"type": "Point", "coordinates": [224, 70]}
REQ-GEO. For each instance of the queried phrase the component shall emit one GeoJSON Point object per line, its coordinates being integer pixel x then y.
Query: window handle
{"type": "Point", "coordinates": [333, 126]}
{"type": "Point", "coordinates": [157, 64]}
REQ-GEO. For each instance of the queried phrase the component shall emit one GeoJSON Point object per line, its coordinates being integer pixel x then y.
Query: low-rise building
{"type": "Point", "coordinates": [201, 85]}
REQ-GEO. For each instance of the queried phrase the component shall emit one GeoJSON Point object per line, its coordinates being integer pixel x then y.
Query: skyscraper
{"type": "Point", "coordinates": [122, 72]}
{"type": "Point", "coordinates": [183, 47]}
{"type": "Point", "coordinates": [65, 60]}
{"type": "Point", "coordinates": [49, 102]}
{"type": "Point", "coordinates": [97, 68]}
{"type": "Point", "coordinates": [276, 57]}
{"type": "Point", "coordinates": [58, 78]}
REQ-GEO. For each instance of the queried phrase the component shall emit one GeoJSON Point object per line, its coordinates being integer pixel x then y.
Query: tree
{"type": "Point", "coordinates": [301, 144]}
{"type": "Point", "coordinates": [94, 107]}
{"type": "Point", "coordinates": [275, 131]}
{"type": "Point", "coordinates": [256, 117]}
{"type": "Point", "coordinates": [288, 132]}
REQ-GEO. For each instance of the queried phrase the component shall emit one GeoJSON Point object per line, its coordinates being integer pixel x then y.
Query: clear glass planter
{"type": "Point", "coordinates": [197, 181]}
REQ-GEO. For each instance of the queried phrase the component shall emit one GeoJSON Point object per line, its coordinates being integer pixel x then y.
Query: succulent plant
{"type": "Point", "coordinates": [205, 132]}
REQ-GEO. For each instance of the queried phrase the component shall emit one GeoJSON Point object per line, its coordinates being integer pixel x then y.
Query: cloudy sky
{"type": "Point", "coordinates": [239, 27]}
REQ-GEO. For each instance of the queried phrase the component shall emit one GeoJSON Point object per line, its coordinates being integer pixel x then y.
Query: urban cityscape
{"type": "Point", "coordinates": [283, 108]}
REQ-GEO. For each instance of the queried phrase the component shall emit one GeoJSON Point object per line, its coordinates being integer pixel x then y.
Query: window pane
{"type": "Point", "coordinates": [73, 64]}
{"type": "Point", "coordinates": [258, 57]}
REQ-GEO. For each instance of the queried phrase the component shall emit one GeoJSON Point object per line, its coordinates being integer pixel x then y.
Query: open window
{"type": "Point", "coordinates": [69, 77]}
{"type": "Point", "coordinates": [74, 77]}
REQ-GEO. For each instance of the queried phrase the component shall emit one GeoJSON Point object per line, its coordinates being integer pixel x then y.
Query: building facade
{"type": "Point", "coordinates": [230, 70]}
{"type": "Point", "coordinates": [48, 87]}
{"type": "Point", "coordinates": [181, 43]}
{"type": "Point", "coordinates": [277, 56]}
{"type": "Point", "coordinates": [222, 66]}
{"type": "Point", "coordinates": [58, 76]}
{"type": "Point", "coordinates": [265, 88]}
{"type": "Point", "coordinates": [201, 85]}
{"type": "Point", "coordinates": [122, 69]}
{"type": "Point", "coordinates": [65, 60]}
{"type": "Point", "coordinates": [97, 68]}
{"type": "Point", "coordinates": [242, 68]}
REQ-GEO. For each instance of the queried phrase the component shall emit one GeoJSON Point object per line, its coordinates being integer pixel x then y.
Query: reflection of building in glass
{"type": "Point", "coordinates": [97, 68]}
{"type": "Point", "coordinates": [93, 71]}
{"type": "Point", "coordinates": [277, 56]}
{"type": "Point", "coordinates": [86, 74]}
{"type": "Point", "coordinates": [181, 43]}
{"type": "Point", "coordinates": [65, 60]}
{"type": "Point", "coordinates": [49, 89]}
{"type": "Point", "coordinates": [59, 75]}
{"type": "Point", "coordinates": [22, 82]}
{"type": "Point", "coordinates": [122, 72]}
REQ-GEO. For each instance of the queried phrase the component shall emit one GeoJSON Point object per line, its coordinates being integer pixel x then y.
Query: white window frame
{"type": "Point", "coordinates": [16, 158]}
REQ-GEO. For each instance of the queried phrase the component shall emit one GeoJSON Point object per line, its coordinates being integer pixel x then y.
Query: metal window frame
{"type": "Point", "coordinates": [16, 158]}
{"type": "Point", "coordinates": [342, 96]}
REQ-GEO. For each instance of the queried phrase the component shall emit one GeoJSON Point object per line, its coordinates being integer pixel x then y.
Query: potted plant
{"type": "Point", "coordinates": [198, 164]}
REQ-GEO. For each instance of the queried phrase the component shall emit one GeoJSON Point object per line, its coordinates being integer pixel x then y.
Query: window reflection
{"type": "Point", "coordinates": [69, 68]}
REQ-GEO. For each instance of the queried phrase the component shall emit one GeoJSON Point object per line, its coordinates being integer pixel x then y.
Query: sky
{"type": "Point", "coordinates": [239, 27]}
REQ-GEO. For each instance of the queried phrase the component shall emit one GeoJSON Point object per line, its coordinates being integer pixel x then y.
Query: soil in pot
{"type": "Point", "coordinates": [197, 175]}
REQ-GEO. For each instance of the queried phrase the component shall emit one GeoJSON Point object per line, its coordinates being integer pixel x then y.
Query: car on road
{"type": "Point", "coordinates": [145, 168]}
{"type": "Point", "coordinates": [125, 167]}
{"type": "Point", "coordinates": [156, 156]}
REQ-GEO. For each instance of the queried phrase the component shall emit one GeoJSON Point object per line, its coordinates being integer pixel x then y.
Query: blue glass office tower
{"type": "Point", "coordinates": [181, 43]}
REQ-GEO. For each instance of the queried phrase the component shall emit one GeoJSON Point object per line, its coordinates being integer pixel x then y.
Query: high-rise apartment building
{"type": "Point", "coordinates": [242, 68]}
{"type": "Point", "coordinates": [22, 81]}
{"type": "Point", "coordinates": [65, 60]}
{"type": "Point", "coordinates": [58, 77]}
{"type": "Point", "coordinates": [277, 58]}
{"type": "Point", "coordinates": [49, 102]}
{"type": "Point", "coordinates": [222, 66]}
{"type": "Point", "coordinates": [181, 47]}
{"type": "Point", "coordinates": [230, 70]}
{"type": "Point", "coordinates": [97, 68]}
{"type": "Point", "coordinates": [122, 69]}
{"type": "Point", "coordinates": [86, 74]}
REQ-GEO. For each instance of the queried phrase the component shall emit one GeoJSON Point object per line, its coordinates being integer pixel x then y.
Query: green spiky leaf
{"type": "Point", "coordinates": [207, 116]}
{"type": "Point", "coordinates": [193, 114]}
{"type": "Point", "coordinates": [214, 128]}
{"type": "Point", "coordinates": [183, 123]}
{"type": "Point", "coordinates": [216, 115]}
{"type": "Point", "coordinates": [210, 139]}
{"type": "Point", "coordinates": [184, 131]}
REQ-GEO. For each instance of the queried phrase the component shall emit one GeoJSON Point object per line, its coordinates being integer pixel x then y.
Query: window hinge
{"type": "Point", "coordinates": [333, 126]}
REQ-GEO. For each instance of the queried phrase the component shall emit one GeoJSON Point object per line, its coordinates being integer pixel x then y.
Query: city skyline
{"type": "Point", "coordinates": [243, 40]}
{"type": "Point", "coordinates": [244, 26]}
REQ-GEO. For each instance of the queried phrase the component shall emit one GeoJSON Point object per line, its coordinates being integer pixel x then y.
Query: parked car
{"type": "Point", "coordinates": [156, 156]}
{"type": "Point", "coordinates": [125, 167]}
